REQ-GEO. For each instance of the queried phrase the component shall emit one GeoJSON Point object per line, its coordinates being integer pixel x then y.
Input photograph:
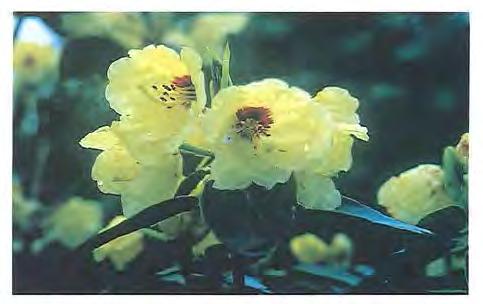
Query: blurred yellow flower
{"type": "Point", "coordinates": [127, 29]}
{"type": "Point", "coordinates": [415, 193]}
{"type": "Point", "coordinates": [33, 63]}
{"type": "Point", "coordinates": [73, 222]}
{"type": "Point", "coordinates": [309, 248]}
{"type": "Point", "coordinates": [23, 209]}
{"type": "Point", "coordinates": [208, 33]}
{"type": "Point", "coordinates": [120, 251]}
{"type": "Point", "coordinates": [140, 184]}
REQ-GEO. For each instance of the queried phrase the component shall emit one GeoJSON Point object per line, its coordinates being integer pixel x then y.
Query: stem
{"type": "Point", "coordinates": [238, 273]}
{"type": "Point", "coordinates": [187, 148]}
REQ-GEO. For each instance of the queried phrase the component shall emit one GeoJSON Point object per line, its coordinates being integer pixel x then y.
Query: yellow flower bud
{"type": "Point", "coordinates": [309, 248]}
{"type": "Point", "coordinates": [415, 193]}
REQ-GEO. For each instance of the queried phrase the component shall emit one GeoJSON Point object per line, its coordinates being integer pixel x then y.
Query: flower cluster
{"type": "Point", "coordinates": [158, 94]}
{"type": "Point", "coordinates": [261, 133]}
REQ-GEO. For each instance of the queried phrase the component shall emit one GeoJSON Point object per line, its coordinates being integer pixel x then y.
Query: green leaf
{"type": "Point", "coordinates": [225, 68]}
{"type": "Point", "coordinates": [145, 218]}
{"type": "Point", "coordinates": [252, 220]}
{"type": "Point", "coordinates": [333, 273]}
{"type": "Point", "coordinates": [352, 207]}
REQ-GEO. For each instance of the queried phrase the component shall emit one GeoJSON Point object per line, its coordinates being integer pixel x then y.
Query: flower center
{"type": "Point", "coordinates": [252, 122]}
{"type": "Point", "coordinates": [180, 91]}
{"type": "Point", "coordinates": [29, 61]}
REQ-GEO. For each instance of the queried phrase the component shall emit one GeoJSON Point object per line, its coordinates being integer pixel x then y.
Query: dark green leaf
{"type": "Point", "coordinates": [252, 220]}
{"type": "Point", "coordinates": [145, 218]}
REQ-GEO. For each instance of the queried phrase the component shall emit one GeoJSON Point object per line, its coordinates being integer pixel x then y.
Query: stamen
{"type": "Point", "coordinates": [253, 122]}
{"type": "Point", "coordinates": [180, 91]}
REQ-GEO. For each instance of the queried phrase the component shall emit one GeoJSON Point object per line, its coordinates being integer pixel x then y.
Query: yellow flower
{"type": "Point", "coordinates": [340, 107]}
{"type": "Point", "coordinates": [263, 132]}
{"type": "Point", "coordinates": [159, 82]}
{"type": "Point", "coordinates": [341, 250]}
{"type": "Point", "coordinates": [209, 32]}
{"type": "Point", "coordinates": [259, 133]}
{"type": "Point", "coordinates": [127, 29]}
{"type": "Point", "coordinates": [33, 63]}
{"type": "Point", "coordinates": [140, 184]}
{"type": "Point", "coordinates": [160, 95]}
{"type": "Point", "coordinates": [309, 248]}
{"type": "Point", "coordinates": [120, 251]}
{"type": "Point", "coordinates": [338, 124]}
{"type": "Point", "coordinates": [74, 222]}
{"type": "Point", "coordinates": [415, 193]}
{"type": "Point", "coordinates": [315, 191]}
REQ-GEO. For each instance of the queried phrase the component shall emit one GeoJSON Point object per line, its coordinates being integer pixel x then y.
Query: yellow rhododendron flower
{"type": "Point", "coordinates": [33, 63]}
{"type": "Point", "coordinates": [127, 29]}
{"type": "Point", "coordinates": [139, 184]}
{"type": "Point", "coordinates": [73, 222]}
{"type": "Point", "coordinates": [120, 251]}
{"type": "Point", "coordinates": [263, 132]}
{"type": "Point", "coordinates": [309, 248]}
{"type": "Point", "coordinates": [209, 32]}
{"type": "Point", "coordinates": [340, 123]}
{"type": "Point", "coordinates": [341, 108]}
{"type": "Point", "coordinates": [157, 81]}
{"type": "Point", "coordinates": [259, 133]}
{"type": "Point", "coordinates": [415, 193]}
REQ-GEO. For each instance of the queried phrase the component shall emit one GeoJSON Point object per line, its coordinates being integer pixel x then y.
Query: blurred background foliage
{"type": "Point", "coordinates": [409, 71]}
